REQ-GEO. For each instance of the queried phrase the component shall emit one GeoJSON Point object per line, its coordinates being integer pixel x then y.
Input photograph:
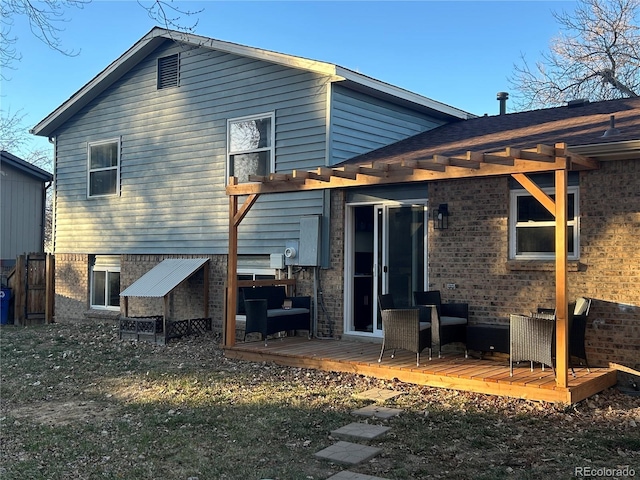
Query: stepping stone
{"type": "Point", "coordinates": [348, 453]}
{"type": "Point", "coordinates": [361, 431]}
{"type": "Point", "coordinates": [377, 394]}
{"type": "Point", "coordinates": [377, 411]}
{"type": "Point", "coordinates": [347, 475]}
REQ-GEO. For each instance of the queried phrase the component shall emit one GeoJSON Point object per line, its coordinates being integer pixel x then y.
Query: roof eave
{"type": "Point", "coordinates": [98, 84]}
{"type": "Point", "coordinates": [26, 167]}
{"type": "Point", "coordinates": [439, 108]}
{"type": "Point", "coordinates": [610, 150]}
{"type": "Point", "coordinates": [151, 40]}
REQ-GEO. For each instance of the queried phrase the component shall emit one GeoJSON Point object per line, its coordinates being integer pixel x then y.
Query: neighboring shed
{"type": "Point", "coordinates": [23, 192]}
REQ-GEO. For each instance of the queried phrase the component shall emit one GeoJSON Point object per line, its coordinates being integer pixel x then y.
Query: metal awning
{"type": "Point", "coordinates": [164, 277]}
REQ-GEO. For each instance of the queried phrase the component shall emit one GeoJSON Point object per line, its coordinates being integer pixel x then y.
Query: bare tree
{"type": "Point", "coordinates": [596, 57]}
{"type": "Point", "coordinates": [15, 139]}
{"type": "Point", "coordinates": [47, 18]}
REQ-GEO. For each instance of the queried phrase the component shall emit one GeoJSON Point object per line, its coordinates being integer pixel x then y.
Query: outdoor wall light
{"type": "Point", "coordinates": [441, 217]}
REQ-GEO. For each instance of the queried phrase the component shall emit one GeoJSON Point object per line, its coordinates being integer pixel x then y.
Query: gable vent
{"type": "Point", "coordinates": [168, 69]}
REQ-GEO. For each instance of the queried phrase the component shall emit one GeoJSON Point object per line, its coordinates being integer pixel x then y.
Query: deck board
{"type": "Point", "coordinates": [453, 371]}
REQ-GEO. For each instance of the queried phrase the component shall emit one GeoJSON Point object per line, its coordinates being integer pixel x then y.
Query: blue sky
{"type": "Point", "coordinates": [456, 52]}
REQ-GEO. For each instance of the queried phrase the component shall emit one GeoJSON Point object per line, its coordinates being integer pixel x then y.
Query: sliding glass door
{"type": "Point", "coordinates": [386, 254]}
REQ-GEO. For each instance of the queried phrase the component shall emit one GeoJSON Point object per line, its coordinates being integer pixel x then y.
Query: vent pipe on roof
{"type": "Point", "coordinates": [502, 98]}
{"type": "Point", "coordinates": [612, 130]}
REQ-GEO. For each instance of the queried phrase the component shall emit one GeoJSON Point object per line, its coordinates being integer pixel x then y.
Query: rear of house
{"type": "Point", "coordinates": [487, 241]}
{"type": "Point", "coordinates": [144, 150]}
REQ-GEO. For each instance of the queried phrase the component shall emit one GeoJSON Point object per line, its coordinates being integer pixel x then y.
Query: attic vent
{"type": "Point", "coordinates": [168, 69]}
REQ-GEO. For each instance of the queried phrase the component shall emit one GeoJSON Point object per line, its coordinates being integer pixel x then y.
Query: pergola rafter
{"type": "Point", "coordinates": [509, 161]}
{"type": "Point", "coordinates": [515, 162]}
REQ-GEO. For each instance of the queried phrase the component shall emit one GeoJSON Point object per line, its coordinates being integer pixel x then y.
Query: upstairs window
{"type": "Point", "coordinates": [104, 168]}
{"type": "Point", "coordinates": [250, 147]}
{"type": "Point", "coordinates": [169, 71]}
{"type": "Point", "coordinates": [532, 227]}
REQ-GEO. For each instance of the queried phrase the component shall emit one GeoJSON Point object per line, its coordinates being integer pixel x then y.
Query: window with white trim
{"type": "Point", "coordinates": [105, 282]}
{"type": "Point", "coordinates": [532, 226]}
{"type": "Point", "coordinates": [103, 176]}
{"type": "Point", "coordinates": [250, 143]}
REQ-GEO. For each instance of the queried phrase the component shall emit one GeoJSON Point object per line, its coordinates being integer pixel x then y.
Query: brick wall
{"type": "Point", "coordinates": [72, 287]}
{"type": "Point", "coordinates": [187, 299]}
{"type": "Point", "coordinates": [473, 254]}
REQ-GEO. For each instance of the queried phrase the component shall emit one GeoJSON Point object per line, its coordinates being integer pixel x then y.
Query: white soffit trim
{"type": "Point", "coordinates": [398, 92]}
{"type": "Point", "coordinates": [164, 277]}
{"type": "Point", "coordinates": [609, 150]}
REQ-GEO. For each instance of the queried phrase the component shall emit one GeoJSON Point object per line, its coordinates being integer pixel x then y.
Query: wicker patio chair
{"type": "Point", "coordinates": [448, 320]}
{"type": "Point", "coordinates": [578, 312]}
{"type": "Point", "coordinates": [531, 339]}
{"type": "Point", "coordinates": [385, 301]}
{"type": "Point", "coordinates": [402, 329]}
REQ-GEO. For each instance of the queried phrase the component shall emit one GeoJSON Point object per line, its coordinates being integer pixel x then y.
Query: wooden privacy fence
{"type": "Point", "coordinates": [33, 288]}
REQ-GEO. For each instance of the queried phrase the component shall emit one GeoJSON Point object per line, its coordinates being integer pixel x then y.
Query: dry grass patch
{"type": "Point", "coordinates": [77, 403]}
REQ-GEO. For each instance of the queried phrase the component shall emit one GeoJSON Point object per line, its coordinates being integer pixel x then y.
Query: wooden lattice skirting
{"type": "Point", "coordinates": [150, 328]}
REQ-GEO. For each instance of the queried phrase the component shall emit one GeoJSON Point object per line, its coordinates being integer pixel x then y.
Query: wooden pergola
{"type": "Point", "coordinates": [518, 163]}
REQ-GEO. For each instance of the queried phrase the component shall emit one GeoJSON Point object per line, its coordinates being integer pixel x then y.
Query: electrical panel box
{"type": "Point", "coordinates": [310, 231]}
{"type": "Point", "coordinates": [276, 261]}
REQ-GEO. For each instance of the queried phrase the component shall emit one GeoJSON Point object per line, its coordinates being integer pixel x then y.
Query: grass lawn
{"type": "Point", "coordinates": [77, 403]}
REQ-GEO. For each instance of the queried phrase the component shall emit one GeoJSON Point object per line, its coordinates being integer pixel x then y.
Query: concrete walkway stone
{"type": "Point", "coordinates": [377, 411]}
{"type": "Point", "coordinates": [347, 475]}
{"type": "Point", "coordinates": [348, 453]}
{"type": "Point", "coordinates": [377, 394]}
{"type": "Point", "coordinates": [360, 431]}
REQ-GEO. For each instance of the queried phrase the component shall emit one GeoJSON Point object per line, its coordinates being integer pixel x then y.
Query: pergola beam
{"type": "Point", "coordinates": [510, 161]}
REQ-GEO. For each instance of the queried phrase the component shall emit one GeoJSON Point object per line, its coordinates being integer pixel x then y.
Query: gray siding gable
{"type": "Point", "coordinates": [173, 157]}
{"type": "Point", "coordinates": [173, 152]}
{"type": "Point", "coordinates": [361, 123]}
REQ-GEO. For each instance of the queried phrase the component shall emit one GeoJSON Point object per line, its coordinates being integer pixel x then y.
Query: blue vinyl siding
{"type": "Point", "coordinates": [361, 123]}
{"type": "Point", "coordinates": [173, 157]}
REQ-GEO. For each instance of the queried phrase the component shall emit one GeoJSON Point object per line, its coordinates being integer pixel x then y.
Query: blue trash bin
{"type": "Point", "coordinates": [5, 298]}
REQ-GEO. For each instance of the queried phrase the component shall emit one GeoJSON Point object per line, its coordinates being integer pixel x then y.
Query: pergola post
{"type": "Point", "coordinates": [229, 330]}
{"type": "Point", "coordinates": [235, 217]}
{"type": "Point", "coordinates": [562, 308]}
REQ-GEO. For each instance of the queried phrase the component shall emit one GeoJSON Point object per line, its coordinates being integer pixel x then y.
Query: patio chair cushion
{"type": "Point", "coordinates": [425, 325]}
{"type": "Point", "coordinates": [453, 320]}
{"type": "Point", "coordinates": [282, 312]}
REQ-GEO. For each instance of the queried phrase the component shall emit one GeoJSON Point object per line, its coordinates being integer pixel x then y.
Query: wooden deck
{"type": "Point", "coordinates": [488, 376]}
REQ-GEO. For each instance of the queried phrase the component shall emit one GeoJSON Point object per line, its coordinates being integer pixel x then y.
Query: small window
{"type": "Point", "coordinates": [532, 227]}
{"type": "Point", "coordinates": [104, 168]}
{"type": "Point", "coordinates": [250, 147]}
{"type": "Point", "coordinates": [105, 282]}
{"type": "Point", "coordinates": [169, 71]}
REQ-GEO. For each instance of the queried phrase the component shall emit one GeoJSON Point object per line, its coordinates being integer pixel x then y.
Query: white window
{"type": "Point", "coordinates": [104, 168]}
{"type": "Point", "coordinates": [105, 282]}
{"type": "Point", "coordinates": [250, 146]}
{"type": "Point", "coordinates": [532, 227]}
